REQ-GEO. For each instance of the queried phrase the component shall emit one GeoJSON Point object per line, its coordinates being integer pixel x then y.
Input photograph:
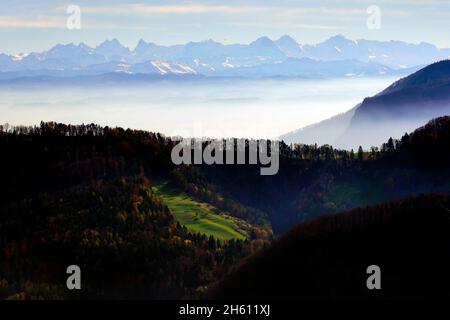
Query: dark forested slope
{"type": "Point", "coordinates": [83, 195]}
{"type": "Point", "coordinates": [328, 258]}
{"type": "Point", "coordinates": [316, 180]}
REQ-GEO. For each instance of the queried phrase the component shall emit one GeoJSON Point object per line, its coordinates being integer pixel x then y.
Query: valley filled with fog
{"type": "Point", "coordinates": [198, 107]}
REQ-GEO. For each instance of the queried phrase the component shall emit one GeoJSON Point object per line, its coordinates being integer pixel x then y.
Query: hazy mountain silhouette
{"type": "Point", "coordinates": [283, 57]}
{"type": "Point", "coordinates": [405, 105]}
{"type": "Point", "coordinates": [402, 107]}
{"type": "Point", "coordinates": [323, 132]}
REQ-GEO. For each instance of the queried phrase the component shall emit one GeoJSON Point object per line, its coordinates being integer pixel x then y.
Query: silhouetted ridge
{"type": "Point", "coordinates": [328, 257]}
{"type": "Point", "coordinates": [402, 107]}
{"type": "Point", "coordinates": [427, 145]}
{"type": "Point", "coordinates": [432, 74]}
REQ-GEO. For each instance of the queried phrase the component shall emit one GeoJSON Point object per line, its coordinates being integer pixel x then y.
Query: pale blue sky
{"type": "Point", "coordinates": [30, 25]}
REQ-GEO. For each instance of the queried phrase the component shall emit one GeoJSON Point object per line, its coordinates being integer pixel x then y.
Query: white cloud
{"type": "Point", "coordinates": [13, 22]}
{"type": "Point", "coordinates": [148, 10]}
{"type": "Point", "coordinates": [142, 9]}
{"type": "Point", "coordinates": [314, 26]}
{"type": "Point", "coordinates": [308, 26]}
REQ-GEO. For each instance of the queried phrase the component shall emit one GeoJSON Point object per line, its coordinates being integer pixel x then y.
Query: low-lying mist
{"type": "Point", "coordinates": [213, 108]}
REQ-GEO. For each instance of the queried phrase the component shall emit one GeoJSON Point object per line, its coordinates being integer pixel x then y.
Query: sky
{"type": "Point", "coordinates": [30, 25]}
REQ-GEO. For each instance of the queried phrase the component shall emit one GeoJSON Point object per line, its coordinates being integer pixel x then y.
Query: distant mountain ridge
{"type": "Point", "coordinates": [283, 57]}
{"type": "Point", "coordinates": [323, 132]}
{"type": "Point", "coordinates": [403, 106]}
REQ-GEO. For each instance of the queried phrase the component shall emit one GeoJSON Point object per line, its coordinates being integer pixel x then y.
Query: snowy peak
{"type": "Point", "coordinates": [286, 39]}
{"type": "Point", "coordinates": [204, 49]}
{"type": "Point", "coordinates": [143, 46]}
{"type": "Point", "coordinates": [289, 46]}
{"type": "Point", "coordinates": [264, 44]}
{"type": "Point", "coordinates": [110, 44]}
{"type": "Point", "coordinates": [167, 68]}
{"type": "Point", "coordinates": [67, 51]}
{"type": "Point", "coordinates": [265, 47]}
{"type": "Point", "coordinates": [262, 57]}
{"type": "Point", "coordinates": [340, 40]}
{"type": "Point", "coordinates": [112, 49]}
{"type": "Point", "coordinates": [394, 54]}
{"type": "Point", "coordinates": [262, 41]}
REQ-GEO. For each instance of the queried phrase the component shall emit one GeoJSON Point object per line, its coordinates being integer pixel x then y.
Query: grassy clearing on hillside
{"type": "Point", "coordinates": [199, 216]}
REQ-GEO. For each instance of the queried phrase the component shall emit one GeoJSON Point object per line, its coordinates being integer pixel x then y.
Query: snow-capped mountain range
{"type": "Point", "coordinates": [337, 56]}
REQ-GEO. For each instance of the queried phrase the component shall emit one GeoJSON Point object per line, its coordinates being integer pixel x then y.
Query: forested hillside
{"type": "Point", "coordinates": [83, 195]}
{"type": "Point", "coordinates": [315, 180]}
{"type": "Point", "coordinates": [94, 196]}
{"type": "Point", "coordinates": [328, 258]}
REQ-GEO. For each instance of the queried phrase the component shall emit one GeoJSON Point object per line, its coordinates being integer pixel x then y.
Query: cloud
{"type": "Point", "coordinates": [284, 25]}
{"type": "Point", "coordinates": [360, 11]}
{"type": "Point", "coordinates": [142, 9]}
{"type": "Point", "coordinates": [330, 11]}
{"type": "Point", "coordinates": [145, 10]}
{"type": "Point", "coordinates": [13, 22]}
{"type": "Point", "coordinates": [261, 12]}
{"type": "Point", "coordinates": [315, 26]}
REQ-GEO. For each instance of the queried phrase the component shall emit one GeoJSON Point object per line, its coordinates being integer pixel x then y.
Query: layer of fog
{"type": "Point", "coordinates": [219, 108]}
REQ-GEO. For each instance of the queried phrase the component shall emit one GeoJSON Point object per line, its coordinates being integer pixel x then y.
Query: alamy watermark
{"type": "Point", "coordinates": [374, 280]}
{"type": "Point", "coordinates": [374, 19]}
{"type": "Point", "coordinates": [74, 280]}
{"type": "Point", "coordinates": [74, 20]}
{"type": "Point", "coordinates": [229, 151]}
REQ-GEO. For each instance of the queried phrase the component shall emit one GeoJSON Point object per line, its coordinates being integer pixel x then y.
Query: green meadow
{"type": "Point", "coordinates": [199, 216]}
